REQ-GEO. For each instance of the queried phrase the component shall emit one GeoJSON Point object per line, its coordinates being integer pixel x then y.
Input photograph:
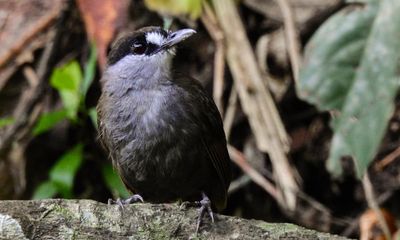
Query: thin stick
{"type": "Point", "coordinates": [256, 101]}
{"type": "Point", "coordinates": [372, 203]}
{"type": "Point", "coordinates": [211, 24]}
{"type": "Point", "coordinates": [259, 179]}
{"type": "Point", "coordinates": [388, 159]}
{"type": "Point", "coordinates": [40, 25]}
{"type": "Point", "coordinates": [230, 112]}
{"type": "Point", "coordinates": [239, 183]}
{"type": "Point", "coordinates": [219, 65]}
{"type": "Point", "coordinates": [292, 38]}
{"type": "Point", "coordinates": [28, 99]}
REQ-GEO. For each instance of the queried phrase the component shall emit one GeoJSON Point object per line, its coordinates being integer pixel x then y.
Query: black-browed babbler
{"type": "Point", "coordinates": [162, 130]}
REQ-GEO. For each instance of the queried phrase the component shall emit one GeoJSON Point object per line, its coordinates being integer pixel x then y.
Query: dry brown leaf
{"type": "Point", "coordinates": [102, 20]}
{"type": "Point", "coordinates": [370, 228]}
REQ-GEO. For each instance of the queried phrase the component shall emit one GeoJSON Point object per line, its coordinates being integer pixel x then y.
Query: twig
{"type": "Point", "coordinates": [292, 38]}
{"type": "Point", "coordinates": [230, 112]}
{"type": "Point", "coordinates": [4, 23]}
{"type": "Point", "coordinates": [25, 56]}
{"type": "Point", "coordinates": [387, 160]}
{"type": "Point", "coordinates": [40, 24]}
{"type": "Point", "coordinates": [259, 179]}
{"type": "Point", "coordinates": [219, 65]}
{"type": "Point", "coordinates": [17, 137]}
{"type": "Point", "coordinates": [277, 86]}
{"type": "Point", "coordinates": [6, 73]}
{"type": "Point", "coordinates": [372, 203]}
{"type": "Point", "coordinates": [239, 183]}
{"type": "Point", "coordinates": [210, 22]}
{"type": "Point", "coordinates": [256, 101]}
{"type": "Point", "coordinates": [262, 52]}
{"type": "Point", "coordinates": [314, 203]}
{"type": "Point", "coordinates": [23, 114]}
{"type": "Point", "coordinates": [27, 100]}
{"type": "Point", "coordinates": [21, 137]}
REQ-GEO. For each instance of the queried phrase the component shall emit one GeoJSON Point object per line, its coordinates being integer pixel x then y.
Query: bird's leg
{"type": "Point", "coordinates": [205, 206]}
{"type": "Point", "coordinates": [121, 202]}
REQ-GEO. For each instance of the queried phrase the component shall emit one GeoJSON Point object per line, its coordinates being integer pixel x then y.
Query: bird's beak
{"type": "Point", "coordinates": [177, 37]}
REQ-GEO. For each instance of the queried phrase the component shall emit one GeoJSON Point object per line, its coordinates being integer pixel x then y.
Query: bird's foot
{"type": "Point", "coordinates": [122, 202]}
{"type": "Point", "coordinates": [205, 206]}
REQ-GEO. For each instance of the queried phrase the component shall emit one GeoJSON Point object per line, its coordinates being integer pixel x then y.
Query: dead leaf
{"type": "Point", "coordinates": [103, 18]}
{"type": "Point", "coordinates": [370, 228]}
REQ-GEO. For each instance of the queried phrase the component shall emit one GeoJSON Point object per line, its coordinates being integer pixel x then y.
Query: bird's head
{"type": "Point", "coordinates": [146, 51]}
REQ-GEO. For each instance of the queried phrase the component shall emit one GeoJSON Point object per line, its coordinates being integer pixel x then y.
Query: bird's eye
{"type": "Point", "coordinates": [139, 48]}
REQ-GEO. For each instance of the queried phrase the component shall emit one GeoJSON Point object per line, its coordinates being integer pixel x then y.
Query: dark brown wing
{"type": "Point", "coordinates": [220, 160]}
{"type": "Point", "coordinates": [213, 139]}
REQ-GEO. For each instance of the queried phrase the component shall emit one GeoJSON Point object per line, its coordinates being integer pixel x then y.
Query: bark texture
{"type": "Point", "coordinates": [87, 219]}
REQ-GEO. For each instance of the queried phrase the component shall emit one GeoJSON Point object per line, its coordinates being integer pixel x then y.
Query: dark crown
{"type": "Point", "coordinates": [134, 43]}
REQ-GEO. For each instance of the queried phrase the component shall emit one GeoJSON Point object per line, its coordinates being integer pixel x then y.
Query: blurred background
{"type": "Point", "coordinates": [308, 91]}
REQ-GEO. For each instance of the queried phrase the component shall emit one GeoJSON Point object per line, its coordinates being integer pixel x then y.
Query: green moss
{"type": "Point", "coordinates": [282, 230]}
{"type": "Point", "coordinates": [64, 212]}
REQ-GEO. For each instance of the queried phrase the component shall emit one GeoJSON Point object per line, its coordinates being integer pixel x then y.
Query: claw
{"type": "Point", "coordinates": [133, 199]}
{"type": "Point", "coordinates": [122, 202]}
{"type": "Point", "coordinates": [205, 205]}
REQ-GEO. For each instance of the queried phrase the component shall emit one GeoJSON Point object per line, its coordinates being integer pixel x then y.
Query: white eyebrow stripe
{"type": "Point", "coordinates": [155, 37]}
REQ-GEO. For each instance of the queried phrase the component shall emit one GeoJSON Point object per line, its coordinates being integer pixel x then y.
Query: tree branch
{"type": "Point", "coordinates": [87, 219]}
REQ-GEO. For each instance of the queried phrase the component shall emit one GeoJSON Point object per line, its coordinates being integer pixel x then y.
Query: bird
{"type": "Point", "coordinates": [163, 132]}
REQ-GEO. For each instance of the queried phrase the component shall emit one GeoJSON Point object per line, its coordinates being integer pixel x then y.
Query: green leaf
{"type": "Point", "coordinates": [67, 80]}
{"type": "Point", "coordinates": [71, 102]}
{"type": "Point", "coordinates": [45, 190]}
{"type": "Point", "coordinates": [63, 172]}
{"type": "Point", "coordinates": [333, 56]}
{"type": "Point", "coordinates": [352, 69]}
{"type": "Point", "coordinates": [48, 120]}
{"type": "Point", "coordinates": [90, 70]}
{"type": "Point", "coordinates": [67, 77]}
{"type": "Point", "coordinates": [6, 121]}
{"type": "Point", "coordinates": [93, 116]}
{"type": "Point", "coordinates": [113, 181]}
{"type": "Point", "coordinates": [176, 7]}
